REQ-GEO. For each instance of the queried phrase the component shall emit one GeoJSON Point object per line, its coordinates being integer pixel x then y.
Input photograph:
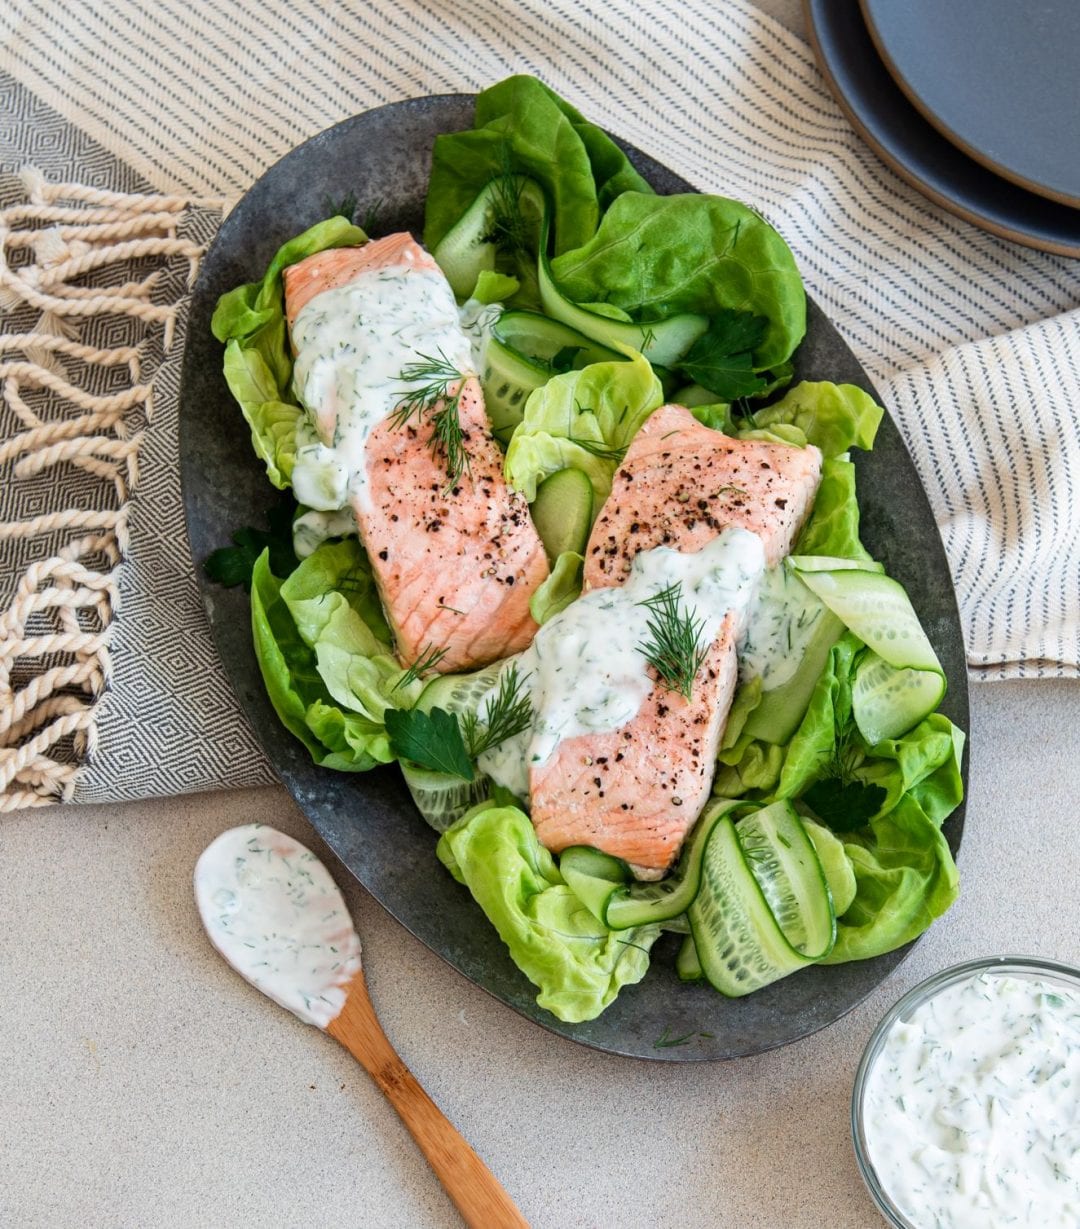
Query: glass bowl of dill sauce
{"type": "Point", "coordinates": [966, 1107]}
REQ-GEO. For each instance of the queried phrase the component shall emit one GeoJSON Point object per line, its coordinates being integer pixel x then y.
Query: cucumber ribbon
{"type": "Point", "coordinates": [751, 883]}
{"type": "Point", "coordinates": [899, 681]}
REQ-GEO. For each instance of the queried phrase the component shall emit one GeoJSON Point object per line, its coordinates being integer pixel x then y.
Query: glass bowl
{"type": "Point", "coordinates": [1018, 966]}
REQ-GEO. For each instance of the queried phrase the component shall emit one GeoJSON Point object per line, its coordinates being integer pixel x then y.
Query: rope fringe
{"type": "Point", "coordinates": [56, 629]}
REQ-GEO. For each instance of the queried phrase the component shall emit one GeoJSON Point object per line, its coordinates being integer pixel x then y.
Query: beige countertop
{"type": "Point", "coordinates": [145, 1084]}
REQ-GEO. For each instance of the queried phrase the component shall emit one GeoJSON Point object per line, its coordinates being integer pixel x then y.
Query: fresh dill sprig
{"type": "Point", "coordinates": [345, 208]}
{"type": "Point", "coordinates": [666, 1040]}
{"type": "Point", "coordinates": [433, 378]}
{"type": "Point", "coordinates": [674, 649]}
{"type": "Point", "coordinates": [509, 231]}
{"type": "Point", "coordinates": [597, 448]}
{"type": "Point", "coordinates": [372, 216]}
{"type": "Point", "coordinates": [506, 713]}
{"type": "Point", "coordinates": [448, 438]}
{"type": "Point", "coordinates": [427, 661]}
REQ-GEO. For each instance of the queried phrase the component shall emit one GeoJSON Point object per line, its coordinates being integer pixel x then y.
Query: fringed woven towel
{"type": "Point", "coordinates": [92, 287]}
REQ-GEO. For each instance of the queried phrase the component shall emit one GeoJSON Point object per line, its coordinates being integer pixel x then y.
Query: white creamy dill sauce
{"type": "Point", "coordinates": [585, 672]}
{"type": "Point", "coordinates": [312, 529]}
{"type": "Point", "coordinates": [352, 344]}
{"type": "Point", "coordinates": [781, 623]}
{"type": "Point", "coordinates": [972, 1108]}
{"type": "Point", "coordinates": [271, 908]}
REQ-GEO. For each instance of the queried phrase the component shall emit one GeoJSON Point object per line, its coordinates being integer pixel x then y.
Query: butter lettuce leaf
{"type": "Point", "coordinates": [905, 879]}
{"type": "Point", "coordinates": [582, 419]}
{"type": "Point", "coordinates": [660, 256]}
{"type": "Point", "coordinates": [562, 587]}
{"type": "Point", "coordinates": [524, 128]}
{"type": "Point", "coordinates": [904, 870]}
{"type": "Point", "coordinates": [258, 364]}
{"type": "Point", "coordinates": [325, 655]}
{"type": "Point", "coordinates": [834, 417]}
{"type": "Point", "coordinates": [578, 965]}
{"type": "Point", "coordinates": [833, 526]}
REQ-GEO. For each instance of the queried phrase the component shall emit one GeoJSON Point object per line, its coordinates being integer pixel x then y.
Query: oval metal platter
{"type": "Point", "coordinates": [368, 819]}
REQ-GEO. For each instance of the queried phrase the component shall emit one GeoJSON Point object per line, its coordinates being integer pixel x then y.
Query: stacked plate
{"type": "Point", "coordinates": [974, 102]}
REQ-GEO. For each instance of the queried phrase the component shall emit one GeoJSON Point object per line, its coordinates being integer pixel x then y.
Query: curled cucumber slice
{"type": "Point", "coordinates": [764, 909]}
{"type": "Point", "coordinates": [524, 351]}
{"type": "Point", "coordinates": [839, 872]}
{"type": "Point", "coordinates": [563, 512]}
{"type": "Point", "coordinates": [603, 883]}
{"type": "Point", "coordinates": [442, 799]}
{"type": "Point", "coordinates": [876, 608]}
{"type": "Point", "coordinates": [900, 680]}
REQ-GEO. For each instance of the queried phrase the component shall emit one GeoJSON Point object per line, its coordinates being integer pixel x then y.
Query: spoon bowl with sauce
{"type": "Point", "coordinates": [274, 912]}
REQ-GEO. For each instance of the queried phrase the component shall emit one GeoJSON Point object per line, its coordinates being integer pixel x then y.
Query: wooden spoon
{"type": "Point", "coordinates": [273, 911]}
{"type": "Point", "coordinates": [476, 1193]}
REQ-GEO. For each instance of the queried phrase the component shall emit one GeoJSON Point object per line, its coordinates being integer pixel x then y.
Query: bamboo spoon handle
{"type": "Point", "coordinates": [477, 1195]}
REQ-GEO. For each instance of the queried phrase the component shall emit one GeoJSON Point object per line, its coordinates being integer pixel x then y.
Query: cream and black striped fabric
{"type": "Point", "coordinates": [973, 340]}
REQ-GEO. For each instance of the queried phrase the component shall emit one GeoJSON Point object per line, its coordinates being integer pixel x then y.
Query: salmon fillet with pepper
{"type": "Point", "coordinates": [455, 566]}
{"type": "Point", "coordinates": [681, 483]}
{"type": "Point", "coordinates": [637, 791]}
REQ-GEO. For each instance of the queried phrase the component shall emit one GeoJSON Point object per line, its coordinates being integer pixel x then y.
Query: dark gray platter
{"type": "Point", "coordinates": [368, 819]}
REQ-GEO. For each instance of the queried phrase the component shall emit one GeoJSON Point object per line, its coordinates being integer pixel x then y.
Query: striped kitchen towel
{"type": "Point", "coordinates": [972, 340]}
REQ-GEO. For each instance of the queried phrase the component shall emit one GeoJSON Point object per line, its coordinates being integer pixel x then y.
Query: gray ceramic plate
{"type": "Point", "coordinates": [369, 819]}
{"type": "Point", "coordinates": [915, 150]}
{"type": "Point", "coordinates": [998, 79]}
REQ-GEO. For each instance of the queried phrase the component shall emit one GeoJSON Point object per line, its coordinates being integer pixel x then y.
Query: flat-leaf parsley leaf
{"type": "Point", "coordinates": [721, 360]}
{"type": "Point", "coordinates": [432, 740]}
{"type": "Point", "coordinates": [232, 565]}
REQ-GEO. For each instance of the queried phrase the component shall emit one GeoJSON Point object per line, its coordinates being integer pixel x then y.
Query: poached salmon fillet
{"type": "Point", "coordinates": [635, 792]}
{"type": "Point", "coordinates": [681, 483]}
{"type": "Point", "coordinates": [455, 556]}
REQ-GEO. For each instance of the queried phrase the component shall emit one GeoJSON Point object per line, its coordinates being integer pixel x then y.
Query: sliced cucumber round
{"type": "Point", "coordinates": [563, 512]}
{"type": "Point", "coordinates": [508, 379]}
{"type": "Point", "coordinates": [460, 693]}
{"type": "Point", "coordinates": [442, 799]}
